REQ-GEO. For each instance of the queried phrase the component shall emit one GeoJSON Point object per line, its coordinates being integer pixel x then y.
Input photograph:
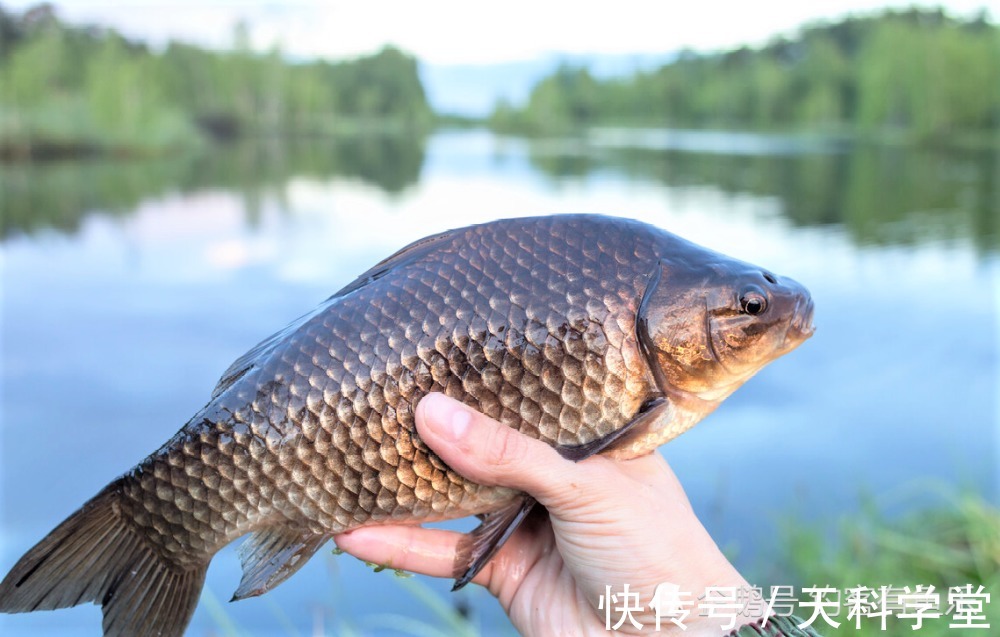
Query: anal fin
{"type": "Point", "coordinates": [477, 548]}
{"type": "Point", "coordinates": [270, 556]}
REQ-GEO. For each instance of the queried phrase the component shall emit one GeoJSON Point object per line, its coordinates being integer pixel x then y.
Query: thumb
{"type": "Point", "coordinates": [487, 452]}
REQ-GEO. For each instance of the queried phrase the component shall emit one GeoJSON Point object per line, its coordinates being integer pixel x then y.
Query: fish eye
{"type": "Point", "coordinates": [752, 301]}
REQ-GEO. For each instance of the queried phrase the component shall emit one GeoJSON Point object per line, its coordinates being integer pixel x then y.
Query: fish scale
{"type": "Point", "coordinates": [559, 400]}
{"type": "Point", "coordinates": [533, 322]}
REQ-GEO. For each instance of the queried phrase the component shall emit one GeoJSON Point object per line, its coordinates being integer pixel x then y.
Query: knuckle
{"type": "Point", "coordinates": [506, 448]}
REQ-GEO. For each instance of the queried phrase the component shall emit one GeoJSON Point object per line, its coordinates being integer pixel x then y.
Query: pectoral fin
{"type": "Point", "coordinates": [477, 548]}
{"type": "Point", "coordinates": [650, 411]}
{"type": "Point", "coordinates": [271, 556]}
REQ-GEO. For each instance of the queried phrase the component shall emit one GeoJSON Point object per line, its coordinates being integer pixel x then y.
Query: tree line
{"type": "Point", "coordinates": [917, 73]}
{"type": "Point", "coordinates": [68, 89]}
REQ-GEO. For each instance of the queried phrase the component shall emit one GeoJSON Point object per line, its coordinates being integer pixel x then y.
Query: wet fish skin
{"type": "Point", "coordinates": [571, 329]}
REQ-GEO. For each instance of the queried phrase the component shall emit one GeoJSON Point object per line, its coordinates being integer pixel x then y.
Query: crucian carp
{"type": "Point", "coordinates": [593, 334]}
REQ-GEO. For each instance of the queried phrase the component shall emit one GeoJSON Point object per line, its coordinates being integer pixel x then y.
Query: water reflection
{"type": "Point", "coordinates": [58, 195]}
{"type": "Point", "coordinates": [881, 195]}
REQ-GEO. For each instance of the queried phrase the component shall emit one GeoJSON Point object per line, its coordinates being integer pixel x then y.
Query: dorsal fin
{"type": "Point", "coordinates": [402, 257]}
{"type": "Point", "coordinates": [245, 363]}
{"type": "Point", "coordinates": [270, 556]}
{"type": "Point", "coordinates": [413, 252]}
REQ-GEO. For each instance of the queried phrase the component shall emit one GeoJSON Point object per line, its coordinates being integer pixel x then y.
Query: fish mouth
{"type": "Point", "coordinates": [801, 326]}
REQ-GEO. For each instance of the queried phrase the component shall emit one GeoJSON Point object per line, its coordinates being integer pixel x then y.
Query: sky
{"type": "Point", "coordinates": [460, 32]}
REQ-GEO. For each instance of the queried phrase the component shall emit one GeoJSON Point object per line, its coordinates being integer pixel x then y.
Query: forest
{"type": "Point", "coordinates": [913, 75]}
{"type": "Point", "coordinates": [68, 90]}
{"type": "Point", "coordinates": [916, 74]}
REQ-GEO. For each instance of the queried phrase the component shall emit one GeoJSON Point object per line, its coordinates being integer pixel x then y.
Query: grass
{"type": "Point", "coordinates": [953, 544]}
{"type": "Point", "coordinates": [447, 619]}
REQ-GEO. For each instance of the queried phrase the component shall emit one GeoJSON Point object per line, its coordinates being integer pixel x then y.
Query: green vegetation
{"type": "Point", "coordinates": [953, 544]}
{"type": "Point", "coordinates": [956, 544]}
{"type": "Point", "coordinates": [878, 194]}
{"type": "Point", "coordinates": [913, 74]}
{"type": "Point", "coordinates": [35, 196]}
{"type": "Point", "coordinates": [450, 615]}
{"type": "Point", "coordinates": [73, 90]}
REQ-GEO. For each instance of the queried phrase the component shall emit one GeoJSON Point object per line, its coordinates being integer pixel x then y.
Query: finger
{"type": "Point", "coordinates": [410, 548]}
{"type": "Point", "coordinates": [490, 453]}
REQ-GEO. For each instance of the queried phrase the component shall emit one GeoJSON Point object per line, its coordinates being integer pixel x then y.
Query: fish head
{"type": "Point", "coordinates": [711, 323]}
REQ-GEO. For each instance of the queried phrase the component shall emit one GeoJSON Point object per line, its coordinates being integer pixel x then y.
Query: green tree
{"type": "Point", "coordinates": [915, 72]}
{"type": "Point", "coordinates": [66, 87]}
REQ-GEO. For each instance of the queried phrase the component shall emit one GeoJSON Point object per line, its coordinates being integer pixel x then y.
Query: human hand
{"type": "Point", "coordinates": [609, 524]}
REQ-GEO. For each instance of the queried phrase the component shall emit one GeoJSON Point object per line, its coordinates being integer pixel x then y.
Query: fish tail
{"type": "Point", "coordinates": [98, 556]}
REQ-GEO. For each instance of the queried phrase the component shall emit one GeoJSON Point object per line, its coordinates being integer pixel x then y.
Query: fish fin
{"type": "Point", "coordinates": [271, 556]}
{"type": "Point", "coordinates": [650, 411]}
{"type": "Point", "coordinates": [400, 258]}
{"type": "Point", "coordinates": [248, 361]}
{"type": "Point", "coordinates": [96, 556]}
{"type": "Point", "coordinates": [477, 548]}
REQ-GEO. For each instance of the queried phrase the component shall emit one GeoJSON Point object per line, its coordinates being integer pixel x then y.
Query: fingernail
{"type": "Point", "coordinates": [459, 423]}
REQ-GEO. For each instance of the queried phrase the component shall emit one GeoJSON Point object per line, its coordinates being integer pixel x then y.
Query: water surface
{"type": "Point", "coordinates": [129, 287]}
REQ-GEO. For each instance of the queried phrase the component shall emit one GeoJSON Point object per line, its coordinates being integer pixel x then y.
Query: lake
{"type": "Point", "coordinates": [128, 287]}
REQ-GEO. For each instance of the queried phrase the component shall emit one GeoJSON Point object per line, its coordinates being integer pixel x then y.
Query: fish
{"type": "Point", "coordinates": [593, 334]}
